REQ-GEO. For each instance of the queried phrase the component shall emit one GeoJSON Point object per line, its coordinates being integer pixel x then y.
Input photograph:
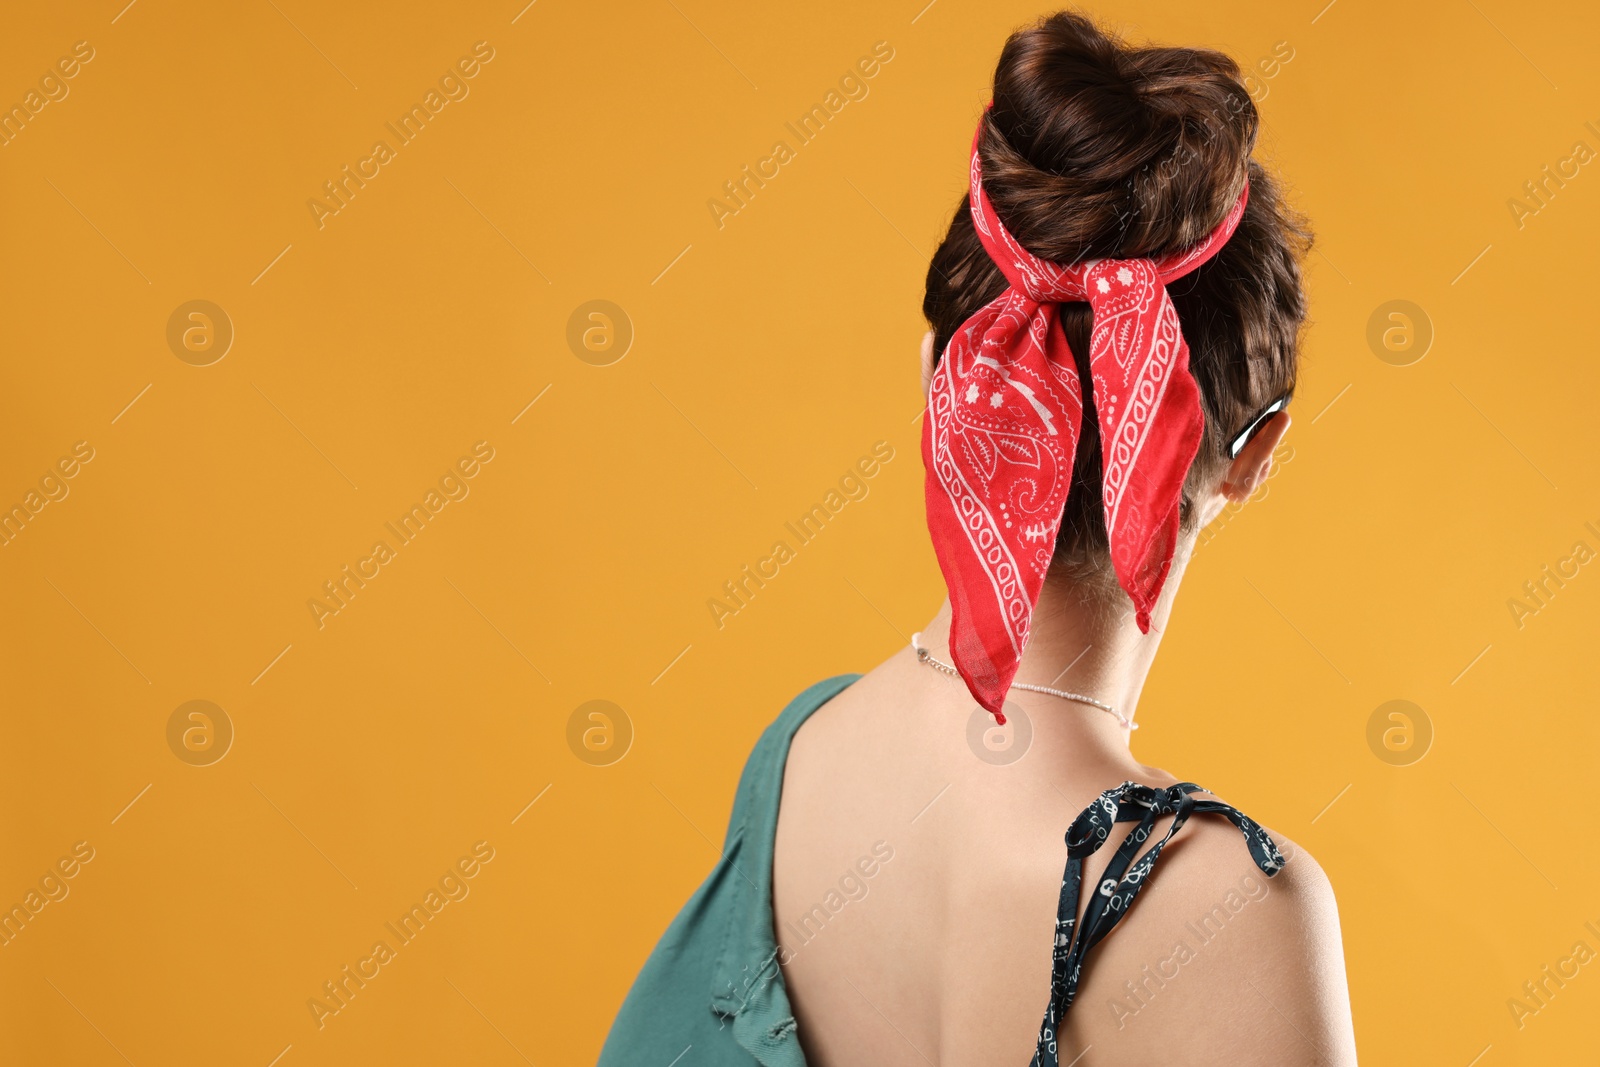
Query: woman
{"type": "Point", "coordinates": [892, 887]}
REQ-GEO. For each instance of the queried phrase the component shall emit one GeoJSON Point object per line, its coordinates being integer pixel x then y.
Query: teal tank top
{"type": "Point", "coordinates": [713, 984]}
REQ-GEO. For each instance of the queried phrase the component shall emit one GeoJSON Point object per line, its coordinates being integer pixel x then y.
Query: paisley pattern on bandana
{"type": "Point", "coordinates": [1004, 415]}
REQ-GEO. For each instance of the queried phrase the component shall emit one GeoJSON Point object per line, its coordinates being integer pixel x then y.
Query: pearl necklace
{"type": "Point", "coordinates": [939, 665]}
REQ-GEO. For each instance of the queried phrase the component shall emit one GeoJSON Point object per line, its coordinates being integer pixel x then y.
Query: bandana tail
{"type": "Point", "coordinates": [1143, 563]}
{"type": "Point", "coordinates": [984, 670]}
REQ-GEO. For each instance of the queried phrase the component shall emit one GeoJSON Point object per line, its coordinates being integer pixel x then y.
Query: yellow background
{"type": "Point", "coordinates": [769, 354]}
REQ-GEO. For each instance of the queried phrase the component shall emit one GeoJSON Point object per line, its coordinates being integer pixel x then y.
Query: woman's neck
{"type": "Point", "coordinates": [1088, 644]}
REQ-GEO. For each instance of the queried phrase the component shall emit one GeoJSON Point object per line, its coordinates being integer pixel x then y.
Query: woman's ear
{"type": "Point", "coordinates": [927, 362]}
{"type": "Point", "coordinates": [1253, 465]}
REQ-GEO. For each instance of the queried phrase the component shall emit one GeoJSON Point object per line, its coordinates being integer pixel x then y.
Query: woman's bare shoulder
{"type": "Point", "coordinates": [1215, 962]}
{"type": "Point", "coordinates": [1219, 962]}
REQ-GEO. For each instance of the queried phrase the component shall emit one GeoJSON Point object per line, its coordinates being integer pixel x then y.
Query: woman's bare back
{"type": "Point", "coordinates": [916, 886]}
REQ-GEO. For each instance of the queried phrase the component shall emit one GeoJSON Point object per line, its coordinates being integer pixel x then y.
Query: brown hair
{"type": "Point", "coordinates": [1094, 149]}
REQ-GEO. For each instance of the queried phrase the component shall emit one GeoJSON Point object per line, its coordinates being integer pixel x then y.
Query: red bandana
{"type": "Point", "coordinates": [1002, 427]}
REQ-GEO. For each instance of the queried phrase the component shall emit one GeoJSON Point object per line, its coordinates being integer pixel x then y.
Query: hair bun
{"type": "Point", "coordinates": [1094, 149]}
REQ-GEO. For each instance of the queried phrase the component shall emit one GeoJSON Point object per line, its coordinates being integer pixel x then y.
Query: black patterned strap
{"type": "Point", "coordinates": [1124, 877]}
